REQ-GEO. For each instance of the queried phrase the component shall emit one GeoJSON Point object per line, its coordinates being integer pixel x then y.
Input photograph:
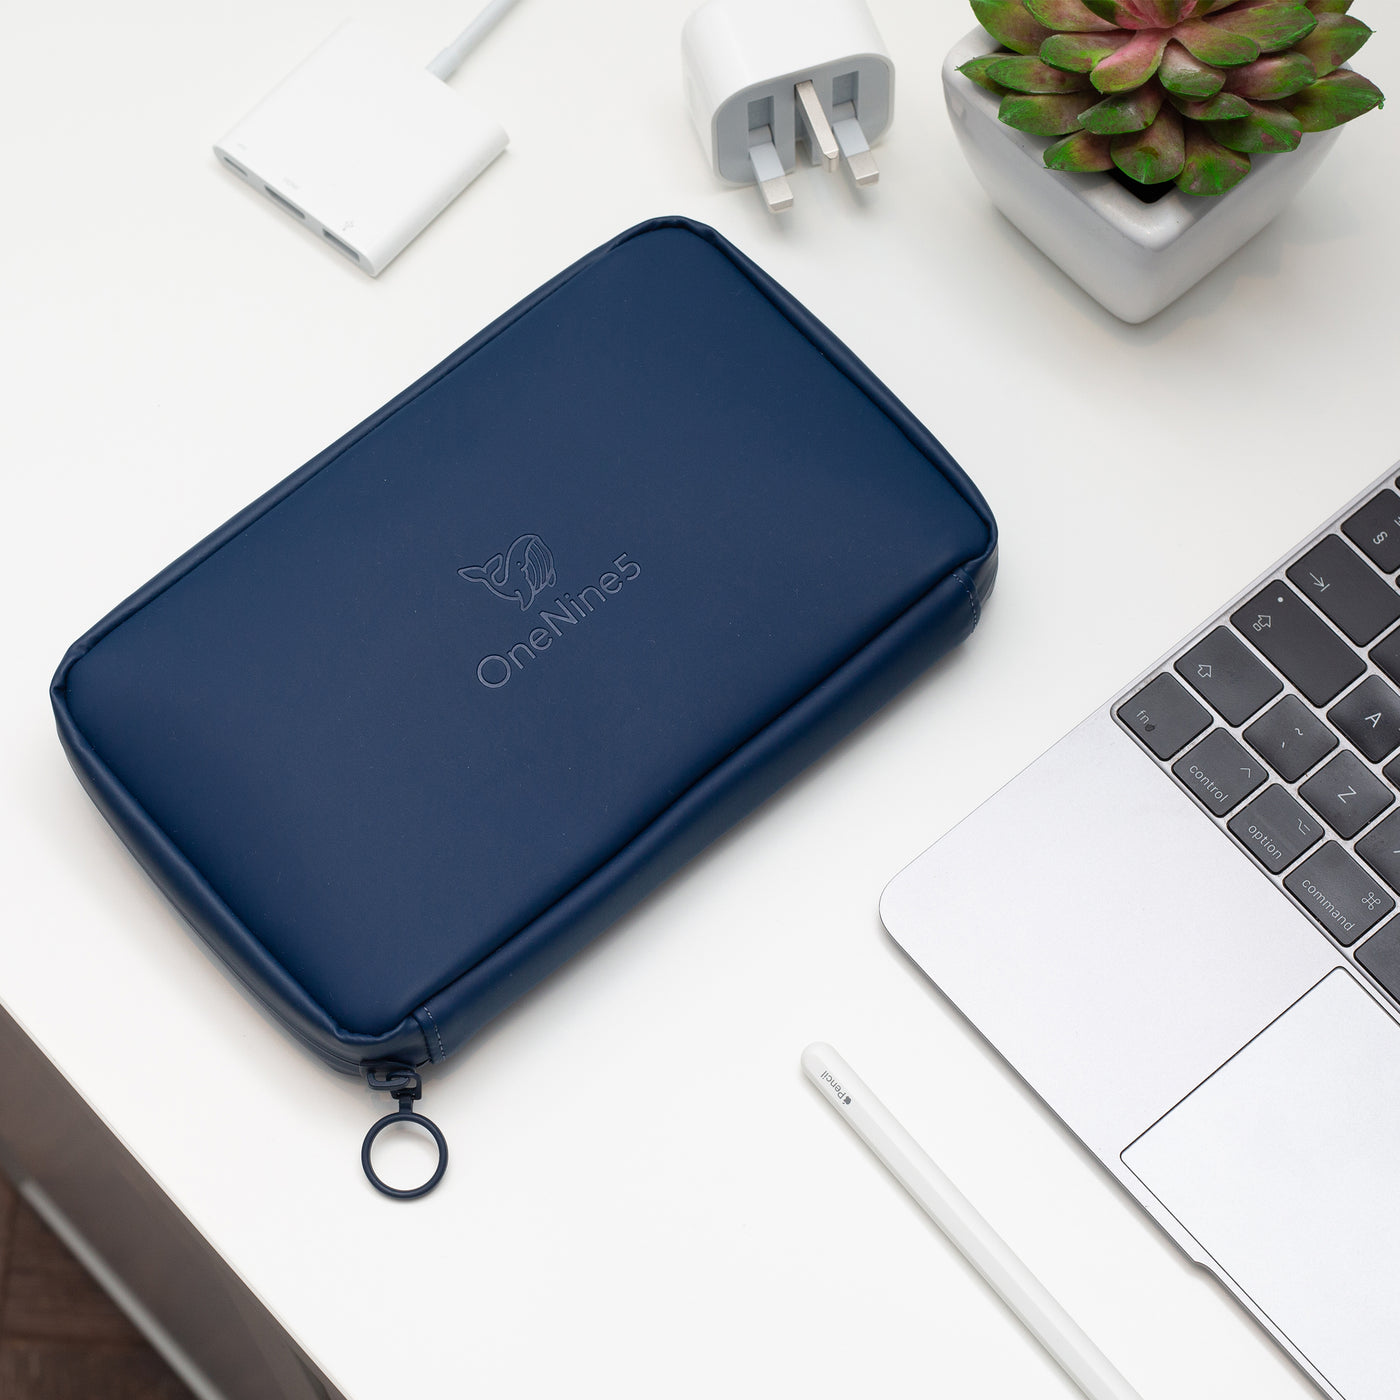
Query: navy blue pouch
{"type": "Point", "coordinates": [418, 724]}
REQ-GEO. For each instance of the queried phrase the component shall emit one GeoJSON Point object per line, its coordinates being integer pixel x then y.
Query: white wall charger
{"type": "Point", "coordinates": [363, 147]}
{"type": "Point", "coordinates": [761, 74]}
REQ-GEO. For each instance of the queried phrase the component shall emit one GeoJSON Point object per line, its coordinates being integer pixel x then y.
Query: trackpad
{"type": "Point", "coordinates": [1285, 1165]}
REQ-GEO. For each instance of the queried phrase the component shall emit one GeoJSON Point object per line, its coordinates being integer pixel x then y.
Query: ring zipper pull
{"type": "Point", "coordinates": [405, 1087]}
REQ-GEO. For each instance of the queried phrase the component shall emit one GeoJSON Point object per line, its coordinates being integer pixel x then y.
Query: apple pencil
{"type": "Point", "coordinates": [951, 1211]}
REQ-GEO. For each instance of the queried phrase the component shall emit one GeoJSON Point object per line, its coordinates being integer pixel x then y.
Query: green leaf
{"type": "Point", "coordinates": [1221, 107]}
{"type": "Point", "coordinates": [1044, 114]}
{"type": "Point", "coordinates": [1216, 46]}
{"type": "Point", "coordinates": [1153, 156]}
{"type": "Point", "coordinates": [1329, 7]}
{"type": "Point", "coordinates": [1008, 23]}
{"type": "Point", "coordinates": [1209, 7]}
{"type": "Point", "coordinates": [1078, 53]}
{"type": "Point", "coordinates": [1162, 14]}
{"type": "Point", "coordinates": [1067, 16]}
{"type": "Point", "coordinates": [1271, 26]}
{"type": "Point", "coordinates": [1279, 75]}
{"type": "Point", "coordinates": [1336, 39]}
{"type": "Point", "coordinates": [1080, 152]}
{"type": "Point", "coordinates": [1124, 112]}
{"type": "Point", "coordinates": [1022, 73]}
{"type": "Point", "coordinates": [1267, 128]}
{"type": "Point", "coordinates": [1330, 101]}
{"type": "Point", "coordinates": [1116, 12]}
{"type": "Point", "coordinates": [1210, 168]}
{"type": "Point", "coordinates": [976, 69]}
{"type": "Point", "coordinates": [1133, 64]}
{"type": "Point", "coordinates": [1187, 76]}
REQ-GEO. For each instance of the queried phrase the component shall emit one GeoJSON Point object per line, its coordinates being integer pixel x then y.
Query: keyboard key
{"type": "Point", "coordinates": [1335, 579]}
{"type": "Point", "coordinates": [1375, 529]}
{"type": "Point", "coordinates": [1345, 899]}
{"type": "Point", "coordinates": [1380, 956]}
{"type": "Point", "coordinates": [1381, 850]}
{"type": "Point", "coordinates": [1164, 716]}
{"type": "Point", "coordinates": [1229, 675]}
{"type": "Point", "coordinates": [1298, 642]}
{"type": "Point", "coordinates": [1220, 772]}
{"type": "Point", "coordinates": [1392, 773]}
{"type": "Point", "coordinates": [1370, 718]}
{"type": "Point", "coordinates": [1275, 830]}
{"type": "Point", "coordinates": [1346, 795]}
{"type": "Point", "coordinates": [1291, 738]}
{"type": "Point", "coordinates": [1387, 656]}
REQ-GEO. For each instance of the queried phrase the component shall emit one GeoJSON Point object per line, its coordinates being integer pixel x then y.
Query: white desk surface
{"type": "Point", "coordinates": [645, 1196]}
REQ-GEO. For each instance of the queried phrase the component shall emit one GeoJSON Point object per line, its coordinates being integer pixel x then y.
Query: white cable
{"type": "Point", "coordinates": [452, 57]}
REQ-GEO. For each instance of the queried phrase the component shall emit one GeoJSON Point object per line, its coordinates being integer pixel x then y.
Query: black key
{"type": "Point", "coordinates": [1220, 772]}
{"type": "Point", "coordinates": [1229, 675]}
{"type": "Point", "coordinates": [1298, 642]}
{"type": "Point", "coordinates": [1381, 850]}
{"type": "Point", "coordinates": [1370, 718]}
{"type": "Point", "coordinates": [1387, 656]}
{"type": "Point", "coordinates": [1334, 578]}
{"type": "Point", "coordinates": [1380, 956]}
{"type": "Point", "coordinates": [1392, 772]}
{"type": "Point", "coordinates": [1345, 899]}
{"type": "Point", "coordinates": [1164, 716]}
{"type": "Point", "coordinates": [1346, 795]}
{"type": "Point", "coordinates": [1290, 737]}
{"type": "Point", "coordinates": [1375, 529]}
{"type": "Point", "coordinates": [1275, 829]}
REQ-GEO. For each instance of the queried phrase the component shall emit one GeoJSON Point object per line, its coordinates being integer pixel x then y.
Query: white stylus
{"type": "Point", "coordinates": [951, 1211]}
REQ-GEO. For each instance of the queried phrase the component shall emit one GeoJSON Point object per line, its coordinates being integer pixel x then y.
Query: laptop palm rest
{"type": "Point", "coordinates": [1249, 1162]}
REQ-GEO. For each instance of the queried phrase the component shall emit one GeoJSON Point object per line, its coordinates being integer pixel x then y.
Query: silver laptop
{"type": "Point", "coordinates": [1180, 927]}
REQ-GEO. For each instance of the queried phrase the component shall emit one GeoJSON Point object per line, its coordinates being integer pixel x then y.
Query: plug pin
{"type": "Point", "coordinates": [768, 170]}
{"type": "Point", "coordinates": [850, 135]}
{"type": "Point", "coordinates": [821, 140]}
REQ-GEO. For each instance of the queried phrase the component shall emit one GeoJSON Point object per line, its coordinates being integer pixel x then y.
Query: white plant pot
{"type": "Point", "coordinates": [1131, 257]}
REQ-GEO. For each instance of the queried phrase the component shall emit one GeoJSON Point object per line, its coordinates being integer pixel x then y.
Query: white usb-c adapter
{"type": "Point", "coordinates": [760, 75]}
{"type": "Point", "coordinates": [364, 148]}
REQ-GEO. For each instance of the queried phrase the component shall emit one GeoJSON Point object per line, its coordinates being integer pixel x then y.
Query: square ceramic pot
{"type": "Point", "coordinates": [1132, 257]}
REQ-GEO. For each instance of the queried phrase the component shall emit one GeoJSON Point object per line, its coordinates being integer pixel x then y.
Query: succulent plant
{"type": "Point", "coordinates": [1172, 90]}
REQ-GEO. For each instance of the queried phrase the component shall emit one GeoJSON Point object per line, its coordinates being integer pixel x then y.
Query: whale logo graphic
{"type": "Point", "coordinates": [519, 575]}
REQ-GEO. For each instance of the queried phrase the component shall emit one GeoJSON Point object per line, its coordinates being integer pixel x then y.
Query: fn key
{"type": "Point", "coordinates": [1164, 716]}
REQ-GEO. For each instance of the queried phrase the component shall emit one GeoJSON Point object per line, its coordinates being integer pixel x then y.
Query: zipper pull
{"type": "Point", "coordinates": [405, 1087]}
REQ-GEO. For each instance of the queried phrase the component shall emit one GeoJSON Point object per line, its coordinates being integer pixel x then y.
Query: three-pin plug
{"type": "Point", "coordinates": [762, 75]}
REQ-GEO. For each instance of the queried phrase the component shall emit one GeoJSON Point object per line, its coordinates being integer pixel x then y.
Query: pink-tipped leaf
{"type": "Point", "coordinates": [1215, 46]}
{"type": "Point", "coordinates": [976, 69]}
{"type": "Point", "coordinates": [1186, 76]}
{"type": "Point", "coordinates": [1339, 97]}
{"type": "Point", "coordinates": [1044, 114]}
{"type": "Point", "coordinates": [1278, 75]}
{"type": "Point", "coordinates": [1156, 155]}
{"type": "Point", "coordinates": [1133, 64]}
{"type": "Point", "coordinates": [1210, 168]}
{"type": "Point", "coordinates": [1022, 73]}
{"type": "Point", "coordinates": [1066, 16]}
{"type": "Point", "coordinates": [1266, 130]}
{"type": "Point", "coordinates": [1272, 26]}
{"type": "Point", "coordinates": [1081, 152]}
{"type": "Point", "coordinates": [1008, 23]}
{"type": "Point", "coordinates": [1124, 112]}
{"type": "Point", "coordinates": [1078, 53]}
{"type": "Point", "coordinates": [1336, 39]}
{"type": "Point", "coordinates": [1222, 107]}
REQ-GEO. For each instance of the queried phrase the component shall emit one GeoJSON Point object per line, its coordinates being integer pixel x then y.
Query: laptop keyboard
{"type": "Point", "coordinates": [1282, 720]}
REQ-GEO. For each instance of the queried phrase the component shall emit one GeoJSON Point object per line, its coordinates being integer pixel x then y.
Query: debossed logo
{"type": "Point", "coordinates": [520, 575]}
